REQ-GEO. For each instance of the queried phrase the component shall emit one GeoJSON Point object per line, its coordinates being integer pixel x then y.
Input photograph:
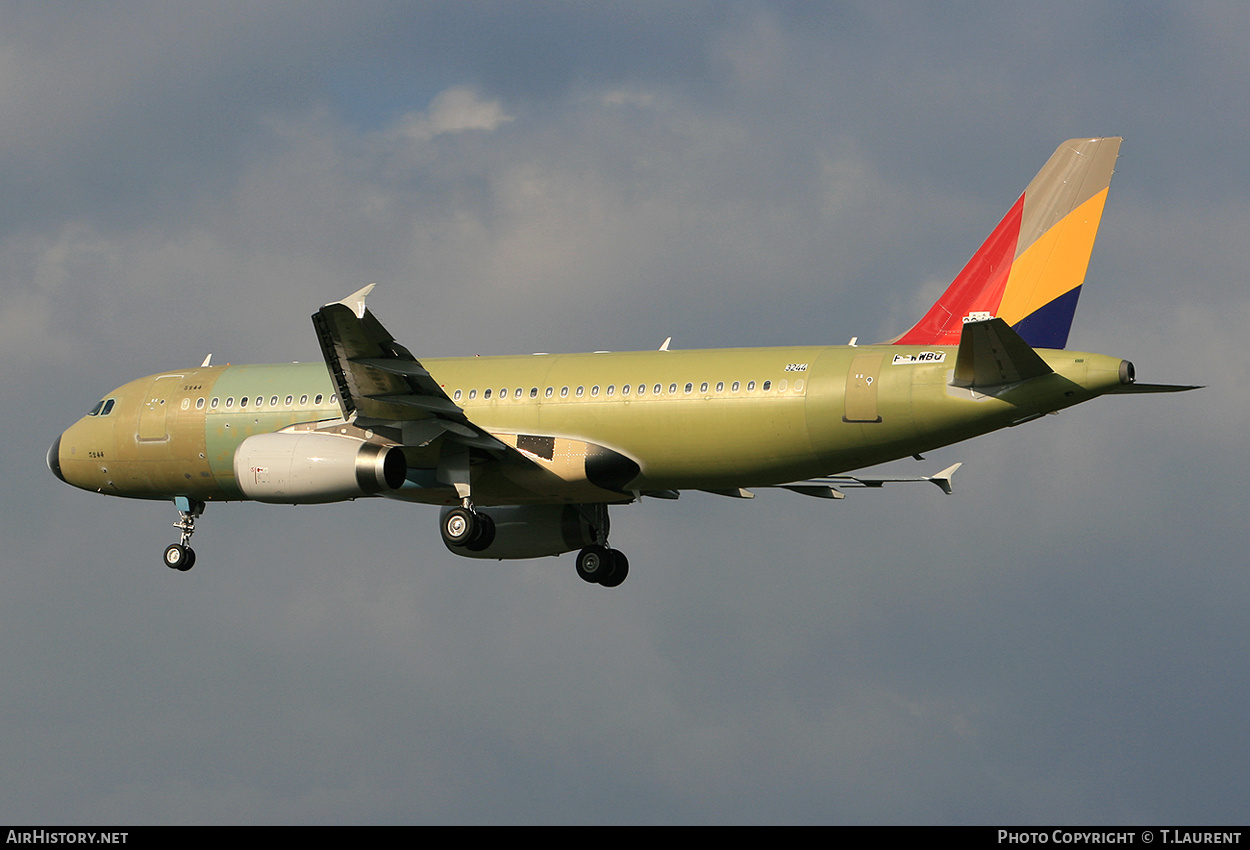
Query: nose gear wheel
{"type": "Point", "coordinates": [180, 556]}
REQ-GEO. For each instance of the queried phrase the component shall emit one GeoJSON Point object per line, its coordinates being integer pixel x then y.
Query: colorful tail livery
{"type": "Point", "coordinates": [1030, 270]}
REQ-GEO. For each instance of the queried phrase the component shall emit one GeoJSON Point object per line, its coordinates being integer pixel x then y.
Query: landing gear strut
{"type": "Point", "coordinates": [597, 564]}
{"type": "Point", "coordinates": [180, 556]}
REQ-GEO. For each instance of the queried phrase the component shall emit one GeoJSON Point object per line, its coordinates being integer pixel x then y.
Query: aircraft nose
{"type": "Point", "coordinates": [54, 459]}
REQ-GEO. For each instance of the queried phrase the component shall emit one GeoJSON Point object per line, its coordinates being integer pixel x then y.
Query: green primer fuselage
{"type": "Point", "coordinates": [705, 419]}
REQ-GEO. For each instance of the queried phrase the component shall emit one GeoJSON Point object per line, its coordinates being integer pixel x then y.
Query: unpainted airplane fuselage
{"type": "Point", "coordinates": [705, 419]}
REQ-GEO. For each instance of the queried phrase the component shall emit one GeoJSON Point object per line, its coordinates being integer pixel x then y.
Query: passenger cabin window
{"type": "Point", "coordinates": [273, 402]}
{"type": "Point", "coordinates": [690, 388]}
{"type": "Point", "coordinates": [243, 401]}
{"type": "Point", "coordinates": [213, 403]}
{"type": "Point", "coordinates": [455, 396]}
{"type": "Point", "coordinates": [318, 399]}
{"type": "Point", "coordinates": [229, 402]}
{"type": "Point", "coordinates": [750, 386]}
{"type": "Point", "coordinates": [199, 404]}
{"type": "Point", "coordinates": [533, 392]}
{"type": "Point", "coordinates": [767, 385]}
{"type": "Point", "coordinates": [303, 400]}
{"type": "Point", "coordinates": [289, 399]}
{"type": "Point", "coordinates": [720, 386]}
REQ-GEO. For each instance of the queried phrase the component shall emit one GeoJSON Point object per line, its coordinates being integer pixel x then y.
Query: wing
{"type": "Point", "coordinates": [380, 384]}
{"type": "Point", "coordinates": [828, 488]}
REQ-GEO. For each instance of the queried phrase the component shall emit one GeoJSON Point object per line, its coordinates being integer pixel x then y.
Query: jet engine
{"type": "Point", "coordinates": [308, 468]}
{"type": "Point", "coordinates": [529, 531]}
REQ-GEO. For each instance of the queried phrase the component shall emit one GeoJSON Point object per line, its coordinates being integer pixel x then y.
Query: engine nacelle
{"type": "Point", "coordinates": [531, 531]}
{"type": "Point", "coordinates": [309, 468]}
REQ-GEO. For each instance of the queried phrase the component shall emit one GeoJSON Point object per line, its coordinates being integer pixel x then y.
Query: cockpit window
{"type": "Point", "coordinates": [108, 407]}
{"type": "Point", "coordinates": [95, 411]}
{"type": "Point", "coordinates": [103, 407]}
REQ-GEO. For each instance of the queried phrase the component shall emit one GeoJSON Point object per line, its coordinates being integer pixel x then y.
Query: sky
{"type": "Point", "coordinates": [1062, 640]}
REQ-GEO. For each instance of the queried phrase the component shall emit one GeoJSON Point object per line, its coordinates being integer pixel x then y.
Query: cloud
{"type": "Point", "coordinates": [455, 110]}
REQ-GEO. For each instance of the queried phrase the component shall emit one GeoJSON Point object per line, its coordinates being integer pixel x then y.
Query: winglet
{"type": "Point", "coordinates": [356, 301]}
{"type": "Point", "coordinates": [943, 478]}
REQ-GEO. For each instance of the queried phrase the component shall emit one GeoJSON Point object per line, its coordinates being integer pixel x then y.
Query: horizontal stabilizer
{"type": "Point", "coordinates": [1125, 389]}
{"type": "Point", "coordinates": [992, 354]}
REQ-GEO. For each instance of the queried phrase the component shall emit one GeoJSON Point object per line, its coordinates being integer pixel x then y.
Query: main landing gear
{"type": "Point", "coordinates": [467, 528]}
{"type": "Point", "coordinates": [601, 565]}
{"type": "Point", "coordinates": [597, 564]}
{"type": "Point", "coordinates": [180, 556]}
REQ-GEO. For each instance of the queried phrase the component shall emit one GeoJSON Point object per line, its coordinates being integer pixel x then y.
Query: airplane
{"type": "Point", "coordinates": [525, 454]}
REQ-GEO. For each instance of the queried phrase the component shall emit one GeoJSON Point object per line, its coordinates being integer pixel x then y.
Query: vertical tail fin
{"type": "Point", "coordinates": [1030, 270]}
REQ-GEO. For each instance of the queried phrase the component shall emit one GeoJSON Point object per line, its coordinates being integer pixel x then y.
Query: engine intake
{"type": "Point", "coordinates": [312, 468]}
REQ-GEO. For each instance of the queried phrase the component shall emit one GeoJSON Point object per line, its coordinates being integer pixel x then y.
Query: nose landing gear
{"type": "Point", "coordinates": [180, 556]}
